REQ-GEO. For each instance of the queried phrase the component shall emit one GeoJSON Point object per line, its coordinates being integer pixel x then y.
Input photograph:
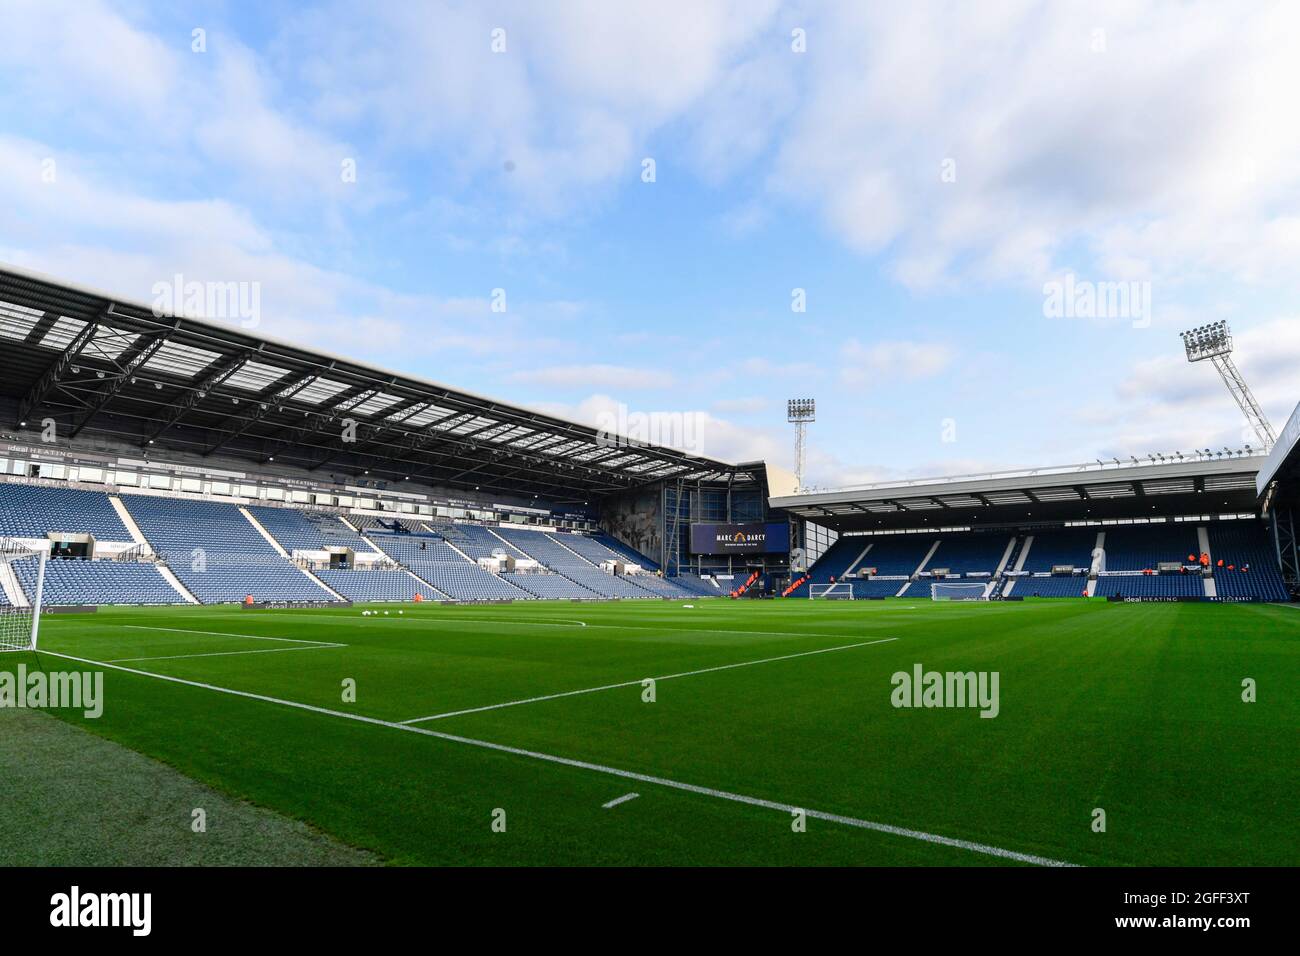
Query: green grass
{"type": "Point", "coordinates": [1135, 709]}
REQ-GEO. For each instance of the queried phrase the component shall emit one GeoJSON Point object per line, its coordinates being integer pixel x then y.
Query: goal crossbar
{"type": "Point", "coordinates": [968, 591]}
{"type": "Point", "coordinates": [839, 591]}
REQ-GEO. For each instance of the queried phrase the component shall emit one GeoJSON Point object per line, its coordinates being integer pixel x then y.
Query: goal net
{"type": "Point", "coordinates": [839, 591]}
{"type": "Point", "coordinates": [958, 592]}
{"type": "Point", "coordinates": [20, 615]}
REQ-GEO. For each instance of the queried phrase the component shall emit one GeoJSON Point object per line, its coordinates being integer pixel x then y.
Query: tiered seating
{"type": "Point", "coordinates": [606, 585]}
{"type": "Point", "coordinates": [1072, 546]}
{"type": "Point", "coordinates": [627, 552]}
{"type": "Point", "coordinates": [397, 525]}
{"type": "Point", "coordinates": [411, 549]}
{"type": "Point", "coordinates": [378, 585]}
{"type": "Point", "coordinates": [477, 541]}
{"type": "Point", "coordinates": [431, 558]}
{"type": "Point", "coordinates": [1245, 544]}
{"type": "Point", "coordinates": [554, 555]}
{"type": "Point", "coordinates": [965, 553]}
{"type": "Point", "coordinates": [217, 553]}
{"type": "Point", "coordinates": [870, 589]}
{"type": "Point", "coordinates": [1149, 585]}
{"type": "Point", "coordinates": [551, 586]}
{"type": "Point", "coordinates": [696, 585]}
{"type": "Point", "coordinates": [896, 554]}
{"type": "Point", "coordinates": [29, 511]}
{"type": "Point", "coordinates": [308, 530]}
{"type": "Point", "coordinates": [833, 564]}
{"type": "Point", "coordinates": [81, 582]}
{"type": "Point", "coordinates": [543, 548]}
{"type": "Point", "coordinates": [591, 549]}
{"type": "Point", "coordinates": [1050, 587]}
{"type": "Point", "coordinates": [469, 582]}
{"type": "Point", "coordinates": [1138, 547]}
{"type": "Point", "coordinates": [664, 587]}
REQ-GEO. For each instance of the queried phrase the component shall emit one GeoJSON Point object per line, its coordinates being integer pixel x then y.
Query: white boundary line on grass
{"type": "Point", "coordinates": [633, 683]}
{"type": "Point", "coordinates": [786, 808]}
{"type": "Point", "coordinates": [265, 650]}
{"type": "Point", "coordinates": [340, 619]}
{"type": "Point", "coordinates": [617, 800]}
{"type": "Point", "coordinates": [251, 637]}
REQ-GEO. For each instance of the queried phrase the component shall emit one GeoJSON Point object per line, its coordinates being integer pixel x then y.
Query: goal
{"type": "Point", "coordinates": [19, 625]}
{"type": "Point", "coordinates": [839, 591]}
{"type": "Point", "coordinates": [958, 592]}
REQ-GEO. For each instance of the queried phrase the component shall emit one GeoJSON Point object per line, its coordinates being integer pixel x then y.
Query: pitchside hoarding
{"type": "Point", "coordinates": [753, 538]}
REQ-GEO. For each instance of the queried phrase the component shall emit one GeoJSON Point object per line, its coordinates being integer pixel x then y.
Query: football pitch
{"type": "Point", "coordinates": [728, 732]}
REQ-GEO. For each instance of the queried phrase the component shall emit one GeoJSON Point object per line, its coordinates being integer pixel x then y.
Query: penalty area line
{"type": "Point", "coordinates": [265, 650]}
{"type": "Point", "coordinates": [638, 681]}
{"type": "Point", "coordinates": [251, 637]}
{"type": "Point", "coordinates": [787, 808]}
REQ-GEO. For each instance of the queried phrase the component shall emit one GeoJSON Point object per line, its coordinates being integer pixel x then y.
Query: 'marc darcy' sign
{"type": "Point", "coordinates": [753, 538]}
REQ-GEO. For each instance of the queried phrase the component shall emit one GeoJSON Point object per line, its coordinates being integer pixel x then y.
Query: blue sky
{"type": "Point", "coordinates": [920, 173]}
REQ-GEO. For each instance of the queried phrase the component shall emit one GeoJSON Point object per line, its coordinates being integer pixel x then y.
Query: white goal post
{"type": "Point", "coordinates": [958, 592]}
{"type": "Point", "coordinates": [20, 626]}
{"type": "Point", "coordinates": [839, 591]}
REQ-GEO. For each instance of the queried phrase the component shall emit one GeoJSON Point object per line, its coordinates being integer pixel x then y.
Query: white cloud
{"type": "Point", "coordinates": [596, 376]}
{"type": "Point", "coordinates": [1164, 154]}
{"type": "Point", "coordinates": [893, 361]}
{"type": "Point", "coordinates": [1165, 405]}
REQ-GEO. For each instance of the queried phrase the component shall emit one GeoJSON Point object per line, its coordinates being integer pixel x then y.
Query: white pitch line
{"type": "Point", "coordinates": [787, 808]}
{"type": "Point", "coordinates": [632, 683]}
{"type": "Point", "coordinates": [617, 800]}
{"type": "Point", "coordinates": [338, 619]}
{"type": "Point", "coordinates": [251, 637]}
{"type": "Point", "coordinates": [265, 650]}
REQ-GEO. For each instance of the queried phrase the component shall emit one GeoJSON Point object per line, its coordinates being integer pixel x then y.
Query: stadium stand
{"type": "Point", "coordinates": [891, 555]}
{"type": "Point", "coordinates": [477, 541]}
{"type": "Point", "coordinates": [695, 585]}
{"type": "Point", "coordinates": [626, 553]}
{"type": "Point", "coordinates": [1072, 546]}
{"type": "Point", "coordinates": [1049, 586]}
{"type": "Point", "coordinates": [469, 582]}
{"type": "Point", "coordinates": [876, 588]}
{"type": "Point", "coordinates": [549, 550]}
{"type": "Point", "coordinates": [555, 586]}
{"type": "Point", "coordinates": [367, 522]}
{"type": "Point", "coordinates": [217, 553]}
{"type": "Point", "coordinates": [378, 585]}
{"type": "Point", "coordinates": [80, 582]}
{"type": "Point", "coordinates": [1150, 585]}
{"type": "Point", "coordinates": [1248, 547]}
{"type": "Point", "coordinates": [962, 554]}
{"type": "Point", "coordinates": [308, 530]}
{"type": "Point", "coordinates": [833, 563]}
{"type": "Point", "coordinates": [412, 549]}
{"type": "Point", "coordinates": [433, 560]}
{"type": "Point", "coordinates": [31, 511]}
{"type": "Point", "coordinates": [1139, 547]}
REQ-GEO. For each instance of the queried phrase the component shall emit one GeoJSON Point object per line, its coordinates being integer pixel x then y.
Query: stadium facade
{"type": "Point", "coordinates": [169, 459]}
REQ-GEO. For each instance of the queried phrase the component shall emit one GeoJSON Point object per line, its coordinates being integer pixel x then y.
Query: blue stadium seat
{"type": "Point", "coordinates": [217, 553]}
{"type": "Point", "coordinates": [1245, 545]}
{"type": "Point", "coordinates": [1150, 585]}
{"type": "Point", "coordinates": [31, 511]}
{"type": "Point", "coordinates": [296, 529]}
{"type": "Point", "coordinates": [77, 581]}
{"type": "Point", "coordinates": [374, 585]}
